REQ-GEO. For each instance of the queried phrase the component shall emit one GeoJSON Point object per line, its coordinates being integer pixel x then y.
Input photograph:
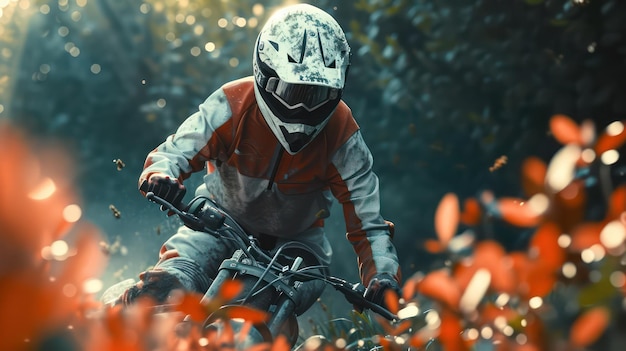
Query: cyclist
{"type": "Point", "coordinates": [277, 146]}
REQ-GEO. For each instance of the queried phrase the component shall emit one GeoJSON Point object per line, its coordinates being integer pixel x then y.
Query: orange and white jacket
{"type": "Point", "coordinates": [269, 191]}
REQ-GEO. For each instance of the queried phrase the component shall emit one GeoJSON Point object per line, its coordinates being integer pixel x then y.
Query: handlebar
{"type": "Point", "coordinates": [189, 219]}
{"type": "Point", "coordinates": [354, 293]}
{"type": "Point", "coordinates": [213, 220]}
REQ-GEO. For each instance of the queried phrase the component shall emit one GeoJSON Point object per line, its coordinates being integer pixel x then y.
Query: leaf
{"type": "Point", "coordinates": [246, 313]}
{"type": "Point", "coordinates": [433, 246]}
{"type": "Point", "coordinates": [533, 277]}
{"type": "Point", "coordinates": [565, 130]}
{"type": "Point", "coordinates": [544, 246]}
{"type": "Point", "coordinates": [409, 288]}
{"type": "Point", "coordinates": [520, 266]}
{"type": "Point", "coordinates": [517, 212]}
{"type": "Point", "coordinates": [89, 261]}
{"type": "Point", "coordinates": [230, 289]}
{"type": "Point", "coordinates": [447, 217]}
{"type": "Point", "coordinates": [589, 326]}
{"type": "Point", "coordinates": [533, 175]}
{"type": "Point", "coordinates": [472, 213]}
{"type": "Point", "coordinates": [562, 168]}
{"type": "Point", "coordinates": [391, 301]}
{"type": "Point", "coordinates": [417, 340]}
{"type": "Point", "coordinates": [475, 291]}
{"type": "Point", "coordinates": [540, 279]}
{"type": "Point", "coordinates": [439, 286]}
{"type": "Point", "coordinates": [491, 256]}
{"type": "Point", "coordinates": [612, 138]}
{"type": "Point", "coordinates": [265, 346]}
{"type": "Point", "coordinates": [585, 235]}
{"type": "Point", "coordinates": [617, 203]}
{"type": "Point", "coordinates": [450, 333]}
{"type": "Point", "coordinates": [190, 305]}
{"type": "Point", "coordinates": [280, 344]}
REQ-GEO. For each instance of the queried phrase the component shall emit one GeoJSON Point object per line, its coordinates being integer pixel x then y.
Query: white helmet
{"type": "Point", "coordinates": [300, 63]}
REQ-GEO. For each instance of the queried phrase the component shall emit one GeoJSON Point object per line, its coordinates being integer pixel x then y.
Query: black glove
{"type": "Point", "coordinates": [377, 287]}
{"type": "Point", "coordinates": [166, 188]}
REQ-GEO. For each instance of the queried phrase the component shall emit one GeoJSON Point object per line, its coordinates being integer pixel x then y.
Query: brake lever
{"type": "Point", "coordinates": [190, 220]}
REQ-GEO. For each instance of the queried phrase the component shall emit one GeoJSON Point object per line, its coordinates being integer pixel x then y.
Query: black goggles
{"type": "Point", "coordinates": [307, 96]}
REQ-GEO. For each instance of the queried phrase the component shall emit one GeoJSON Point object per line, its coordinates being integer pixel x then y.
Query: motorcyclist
{"type": "Point", "coordinates": [276, 146]}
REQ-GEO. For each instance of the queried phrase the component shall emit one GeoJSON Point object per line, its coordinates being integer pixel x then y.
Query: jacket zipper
{"type": "Point", "coordinates": [278, 154]}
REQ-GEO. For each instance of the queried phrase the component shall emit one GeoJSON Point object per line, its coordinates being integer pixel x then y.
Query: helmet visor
{"type": "Point", "coordinates": [307, 96]}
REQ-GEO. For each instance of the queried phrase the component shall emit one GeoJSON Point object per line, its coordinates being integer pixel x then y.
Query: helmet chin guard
{"type": "Point", "coordinates": [293, 136]}
{"type": "Point", "coordinates": [300, 63]}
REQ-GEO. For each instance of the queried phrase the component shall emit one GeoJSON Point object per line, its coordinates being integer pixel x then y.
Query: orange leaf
{"type": "Point", "coordinates": [521, 266]}
{"type": "Point", "coordinates": [535, 329]}
{"type": "Point", "coordinates": [525, 347]}
{"type": "Point", "coordinates": [447, 217]}
{"type": "Point", "coordinates": [246, 313]}
{"type": "Point", "coordinates": [409, 288]}
{"type": "Point", "coordinates": [541, 279]}
{"type": "Point", "coordinates": [589, 326]}
{"type": "Point", "coordinates": [89, 260]}
{"type": "Point", "coordinates": [613, 137]}
{"type": "Point", "coordinates": [565, 130]}
{"type": "Point", "coordinates": [544, 246]}
{"type": "Point", "coordinates": [491, 256]}
{"type": "Point", "coordinates": [534, 278]}
{"type": "Point", "coordinates": [617, 203]}
{"type": "Point", "coordinates": [573, 196]}
{"type": "Point", "coordinates": [586, 235]}
{"type": "Point", "coordinates": [265, 346]}
{"type": "Point", "coordinates": [190, 305]}
{"type": "Point", "coordinates": [533, 175]}
{"type": "Point", "coordinates": [416, 341]}
{"type": "Point", "coordinates": [450, 333]}
{"type": "Point", "coordinates": [439, 286]}
{"type": "Point", "coordinates": [433, 246]}
{"type": "Point", "coordinates": [281, 344]}
{"type": "Point", "coordinates": [230, 289]}
{"type": "Point", "coordinates": [391, 301]}
{"type": "Point", "coordinates": [517, 212]}
{"type": "Point", "coordinates": [472, 213]}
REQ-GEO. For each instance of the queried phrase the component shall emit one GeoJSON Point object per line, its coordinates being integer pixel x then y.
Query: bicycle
{"type": "Point", "coordinates": [285, 282]}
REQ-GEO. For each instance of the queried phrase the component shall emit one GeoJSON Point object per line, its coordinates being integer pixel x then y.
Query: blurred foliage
{"type": "Point", "coordinates": [565, 292]}
{"type": "Point", "coordinates": [452, 86]}
{"type": "Point", "coordinates": [118, 76]}
{"type": "Point", "coordinates": [442, 89]}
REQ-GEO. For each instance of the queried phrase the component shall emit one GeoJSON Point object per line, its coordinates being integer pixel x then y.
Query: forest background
{"type": "Point", "coordinates": [441, 89]}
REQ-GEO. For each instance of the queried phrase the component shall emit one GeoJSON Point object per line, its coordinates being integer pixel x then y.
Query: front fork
{"type": "Point", "coordinates": [282, 319]}
{"type": "Point", "coordinates": [222, 276]}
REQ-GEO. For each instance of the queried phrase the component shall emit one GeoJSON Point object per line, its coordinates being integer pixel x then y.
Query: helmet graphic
{"type": "Point", "coordinates": [300, 62]}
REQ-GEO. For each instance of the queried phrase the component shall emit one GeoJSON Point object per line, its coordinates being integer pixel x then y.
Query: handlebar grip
{"type": "Point", "coordinates": [144, 186]}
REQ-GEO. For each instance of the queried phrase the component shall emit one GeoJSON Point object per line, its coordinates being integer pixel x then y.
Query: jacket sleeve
{"type": "Point", "coordinates": [355, 186]}
{"type": "Point", "coordinates": [196, 141]}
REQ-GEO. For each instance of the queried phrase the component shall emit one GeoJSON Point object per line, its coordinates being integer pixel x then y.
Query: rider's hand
{"type": "Point", "coordinates": [377, 287]}
{"type": "Point", "coordinates": [169, 189]}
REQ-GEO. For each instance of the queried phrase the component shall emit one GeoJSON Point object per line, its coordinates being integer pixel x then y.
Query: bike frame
{"type": "Point", "coordinates": [284, 282]}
